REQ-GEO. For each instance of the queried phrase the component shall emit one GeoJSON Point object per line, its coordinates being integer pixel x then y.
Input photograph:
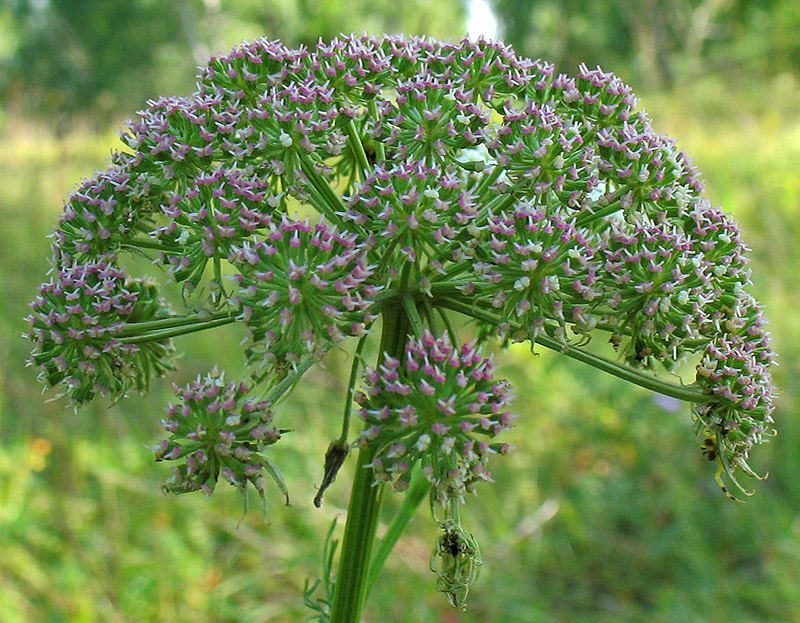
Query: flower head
{"type": "Point", "coordinates": [735, 368]}
{"type": "Point", "coordinates": [101, 214]}
{"type": "Point", "coordinates": [447, 175]}
{"type": "Point", "coordinates": [433, 407]}
{"type": "Point", "coordinates": [301, 291]}
{"type": "Point", "coordinates": [419, 211]}
{"type": "Point", "coordinates": [216, 431]}
{"type": "Point", "coordinates": [78, 326]}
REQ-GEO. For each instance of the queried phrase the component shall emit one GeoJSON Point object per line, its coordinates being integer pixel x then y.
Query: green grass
{"type": "Point", "coordinates": [606, 512]}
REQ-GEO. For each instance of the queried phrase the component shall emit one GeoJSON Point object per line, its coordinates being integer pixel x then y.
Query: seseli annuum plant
{"type": "Point", "coordinates": [431, 196]}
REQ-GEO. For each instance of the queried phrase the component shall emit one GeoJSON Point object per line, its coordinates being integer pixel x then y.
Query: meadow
{"type": "Point", "coordinates": [606, 511]}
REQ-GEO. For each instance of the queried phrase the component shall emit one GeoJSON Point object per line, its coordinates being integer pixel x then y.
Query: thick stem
{"type": "Point", "coordinates": [359, 535]}
{"type": "Point", "coordinates": [365, 499]}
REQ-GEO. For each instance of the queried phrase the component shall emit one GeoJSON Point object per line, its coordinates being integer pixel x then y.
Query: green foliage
{"type": "Point", "coordinates": [94, 60]}
{"type": "Point", "coordinates": [72, 54]}
{"type": "Point", "coordinates": [657, 43]}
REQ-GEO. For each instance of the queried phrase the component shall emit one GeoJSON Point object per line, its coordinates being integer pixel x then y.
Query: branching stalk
{"type": "Point", "coordinates": [151, 336]}
{"type": "Point", "coordinates": [680, 392]}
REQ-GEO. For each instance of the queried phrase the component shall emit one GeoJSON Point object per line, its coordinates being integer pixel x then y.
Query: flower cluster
{"type": "Point", "coordinates": [225, 206]}
{"type": "Point", "coordinates": [546, 154]}
{"type": "Point", "coordinates": [539, 268]}
{"type": "Point", "coordinates": [302, 290]}
{"type": "Point", "coordinates": [417, 210]}
{"type": "Point", "coordinates": [215, 430]}
{"type": "Point", "coordinates": [101, 214]}
{"type": "Point", "coordinates": [78, 326]}
{"type": "Point", "coordinates": [430, 407]}
{"type": "Point", "coordinates": [736, 368]}
{"type": "Point", "coordinates": [446, 178]}
{"type": "Point", "coordinates": [430, 121]}
{"type": "Point", "coordinates": [447, 175]}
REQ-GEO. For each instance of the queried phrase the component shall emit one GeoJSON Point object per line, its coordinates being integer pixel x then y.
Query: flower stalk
{"type": "Point", "coordinates": [417, 493]}
{"type": "Point", "coordinates": [365, 501]}
{"type": "Point", "coordinates": [139, 335]}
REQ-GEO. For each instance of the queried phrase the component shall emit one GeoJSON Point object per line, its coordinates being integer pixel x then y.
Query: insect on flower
{"type": "Point", "coordinates": [456, 560]}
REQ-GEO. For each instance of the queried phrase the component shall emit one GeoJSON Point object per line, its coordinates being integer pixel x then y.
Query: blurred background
{"type": "Point", "coordinates": [607, 510]}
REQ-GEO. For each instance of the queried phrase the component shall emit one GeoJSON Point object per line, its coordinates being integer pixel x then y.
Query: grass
{"type": "Point", "coordinates": [606, 512]}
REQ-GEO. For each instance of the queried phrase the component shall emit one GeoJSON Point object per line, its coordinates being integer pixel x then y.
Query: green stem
{"type": "Point", "coordinates": [358, 148]}
{"type": "Point", "coordinates": [448, 326]}
{"type": "Point", "coordinates": [149, 244]}
{"type": "Point", "coordinates": [139, 328]}
{"type": "Point", "coordinates": [365, 500]}
{"type": "Point", "coordinates": [499, 203]}
{"type": "Point", "coordinates": [637, 377]}
{"type": "Point", "coordinates": [289, 380]}
{"type": "Point", "coordinates": [488, 180]}
{"type": "Point", "coordinates": [359, 535]}
{"type": "Point", "coordinates": [613, 206]}
{"type": "Point", "coordinates": [380, 148]}
{"type": "Point", "coordinates": [331, 202]}
{"type": "Point", "coordinates": [348, 404]}
{"type": "Point", "coordinates": [184, 330]}
{"type": "Point", "coordinates": [417, 491]}
{"type": "Point", "coordinates": [680, 392]}
{"type": "Point", "coordinates": [410, 307]}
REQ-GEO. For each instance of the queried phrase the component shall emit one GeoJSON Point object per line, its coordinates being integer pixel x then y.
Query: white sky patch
{"type": "Point", "coordinates": [481, 20]}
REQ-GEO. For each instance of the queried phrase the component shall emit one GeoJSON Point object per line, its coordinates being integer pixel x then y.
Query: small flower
{"type": "Point", "coordinates": [433, 407]}
{"type": "Point", "coordinates": [216, 431]}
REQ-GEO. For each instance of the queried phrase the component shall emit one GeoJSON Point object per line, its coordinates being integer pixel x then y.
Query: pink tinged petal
{"type": "Point", "coordinates": [408, 417]}
{"type": "Point", "coordinates": [446, 406]}
{"type": "Point", "coordinates": [439, 428]}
